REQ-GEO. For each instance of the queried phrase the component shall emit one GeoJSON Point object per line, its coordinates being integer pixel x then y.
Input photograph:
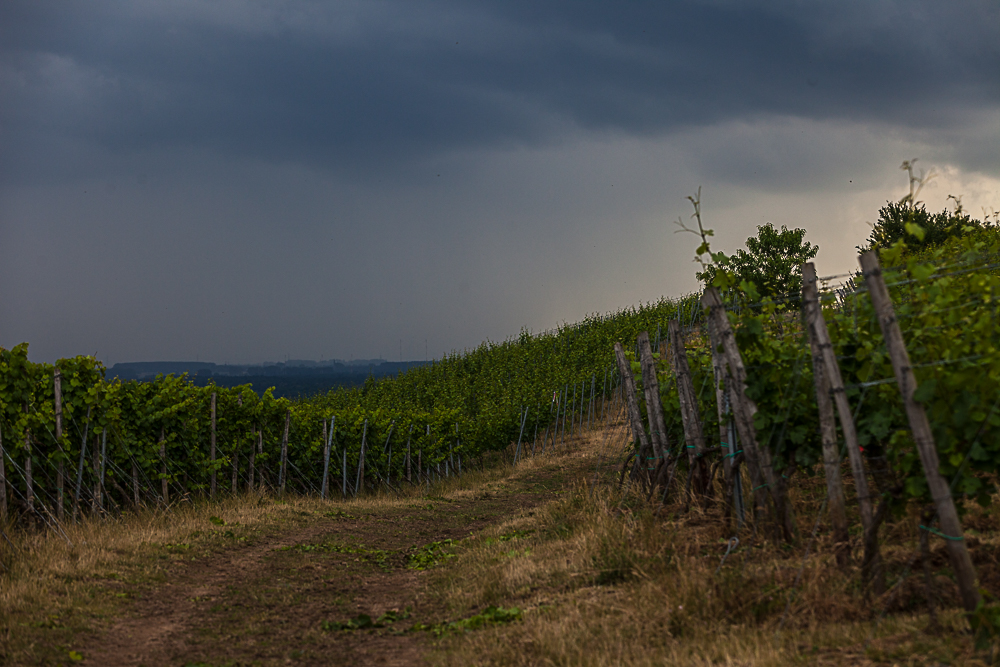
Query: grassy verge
{"type": "Point", "coordinates": [603, 578]}
{"type": "Point", "coordinates": [583, 574]}
{"type": "Point", "coordinates": [57, 587]}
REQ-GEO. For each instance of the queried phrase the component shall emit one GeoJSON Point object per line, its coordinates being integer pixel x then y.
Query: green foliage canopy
{"type": "Point", "coordinates": [897, 221]}
{"type": "Point", "coordinates": [770, 265]}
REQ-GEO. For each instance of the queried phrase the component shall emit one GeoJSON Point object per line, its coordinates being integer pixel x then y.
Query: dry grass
{"type": "Point", "coordinates": [604, 579]}
{"type": "Point", "coordinates": [602, 576]}
{"type": "Point", "coordinates": [58, 584]}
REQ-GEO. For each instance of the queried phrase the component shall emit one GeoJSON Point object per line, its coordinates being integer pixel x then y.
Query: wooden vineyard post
{"type": "Point", "coordinates": [567, 410]}
{"type": "Point", "coordinates": [252, 462]}
{"type": "Point", "coordinates": [872, 562]}
{"type": "Point", "coordinates": [325, 488]}
{"type": "Point", "coordinates": [283, 468]}
{"type": "Point", "coordinates": [572, 413]}
{"type": "Point", "coordinates": [104, 465]}
{"type": "Point", "coordinates": [694, 437]}
{"type": "Point", "coordinates": [564, 404]}
{"type": "Point", "coordinates": [164, 490]}
{"type": "Point", "coordinates": [758, 460]}
{"type": "Point", "coordinates": [730, 469]}
{"type": "Point", "coordinates": [343, 473]}
{"type": "Point", "coordinates": [211, 450]}
{"type": "Point", "coordinates": [604, 394]}
{"type": "Point", "coordinates": [578, 418]}
{"type": "Point", "coordinates": [234, 485]}
{"type": "Point", "coordinates": [923, 437]}
{"type": "Point", "coordinates": [96, 466]}
{"type": "Point", "coordinates": [388, 464]}
{"type": "Point", "coordinates": [548, 423]}
{"type": "Point", "coordinates": [409, 461]}
{"type": "Point", "coordinates": [517, 450]}
{"type": "Point", "coordinates": [566, 407]}
{"type": "Point", "coordinates": [3, 481]}
{"type": "Point", "coordinates": [236, 467]}
{"type": "Point", "coordinates": [654, 410]}
{"type": "Point", "coordinates": [79, 470]}
{"type": "Point", "coordinates": [29, 495]}
{"type": "Point", "coordinates": [135, 483]}
{"type": "Point", "coordinates": [590, 403]}
{"type": "Point", "coordinates": [260, 452]}
{"type": "Point", "coordinates": [811, 308]}
{"type": "Point", "coordinates": [635, 417]}
{"type": "Point", "coordinates": [60, 465]}
{"type": "Point", "coordinates": [321, 494]}
{"type": "Point", "coordinates": [361, 461]}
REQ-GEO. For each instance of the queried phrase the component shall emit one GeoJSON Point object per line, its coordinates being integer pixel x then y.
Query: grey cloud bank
{"type": "Point", "coordinates": [245, 181]}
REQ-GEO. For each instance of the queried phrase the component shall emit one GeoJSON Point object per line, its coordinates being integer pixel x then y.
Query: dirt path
{"type": "Point", "coordinates": [266, 603]}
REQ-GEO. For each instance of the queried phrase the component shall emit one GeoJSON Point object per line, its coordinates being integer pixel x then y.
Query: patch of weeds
{"type": "Point", "coordinates": [614, 562]}
{"type": "Point", "coordinates": [612, 576]}
{"type": "Point", "coordinates": [377, 556]}
{"type": "Point", "coordinates": [339, 514]}
{"type": "Point", "coordinates": [507, 537]}
{"type": "Point", "coordinates": [217, 521]}
{"type": "Point", "coordinates": [51, 621]}
{"type": "Point", "coordinates": [430, 555]}
{"type": "Point", "coordinates": [516, 553]}
{"type": "Point", "coordinates": [366, 622]}
{"type": "Point", "coordinates": [489, 616]}
{"type": "Point", "coordinates": [770, 601]}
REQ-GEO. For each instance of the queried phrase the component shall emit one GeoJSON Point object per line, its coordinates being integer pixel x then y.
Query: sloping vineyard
{"type": "Point", "coordinates": [895, 370]}
{"type": "Point", "coordinates": [73, 441]}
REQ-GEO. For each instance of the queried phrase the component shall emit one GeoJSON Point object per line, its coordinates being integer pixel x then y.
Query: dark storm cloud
{"type": "Point", "coordinates": [249, 179]}
{"type": "Point", "coordinates": [350, 86]}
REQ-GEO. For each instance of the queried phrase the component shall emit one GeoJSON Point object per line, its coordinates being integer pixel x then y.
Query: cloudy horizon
{"type": "Point", "coordinates": [241, 182]}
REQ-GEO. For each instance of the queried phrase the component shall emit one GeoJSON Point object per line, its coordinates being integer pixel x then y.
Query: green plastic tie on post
{"type": "Point", "coordinates": [762, 486]}
{"type": "Point", "coordinates": [937, 532]}
{"type": "Point", "coordinates": [733, 454]}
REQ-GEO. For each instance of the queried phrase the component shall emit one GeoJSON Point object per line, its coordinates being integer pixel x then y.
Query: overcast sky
{"type": "Point", "coordinates": [249, 181]}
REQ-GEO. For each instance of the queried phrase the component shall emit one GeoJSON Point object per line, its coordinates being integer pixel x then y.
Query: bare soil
{"type": "Point", "coordinates": [265, 601]}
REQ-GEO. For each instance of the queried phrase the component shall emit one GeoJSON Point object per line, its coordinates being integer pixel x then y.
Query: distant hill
{"type": "Point", "coordinates": [293, 378]}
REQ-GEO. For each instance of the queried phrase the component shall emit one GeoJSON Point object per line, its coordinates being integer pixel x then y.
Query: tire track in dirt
{"type": "Point", "coordinates": [160, 620]}
{"type": "Point", "coordinates": [265, 603]}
